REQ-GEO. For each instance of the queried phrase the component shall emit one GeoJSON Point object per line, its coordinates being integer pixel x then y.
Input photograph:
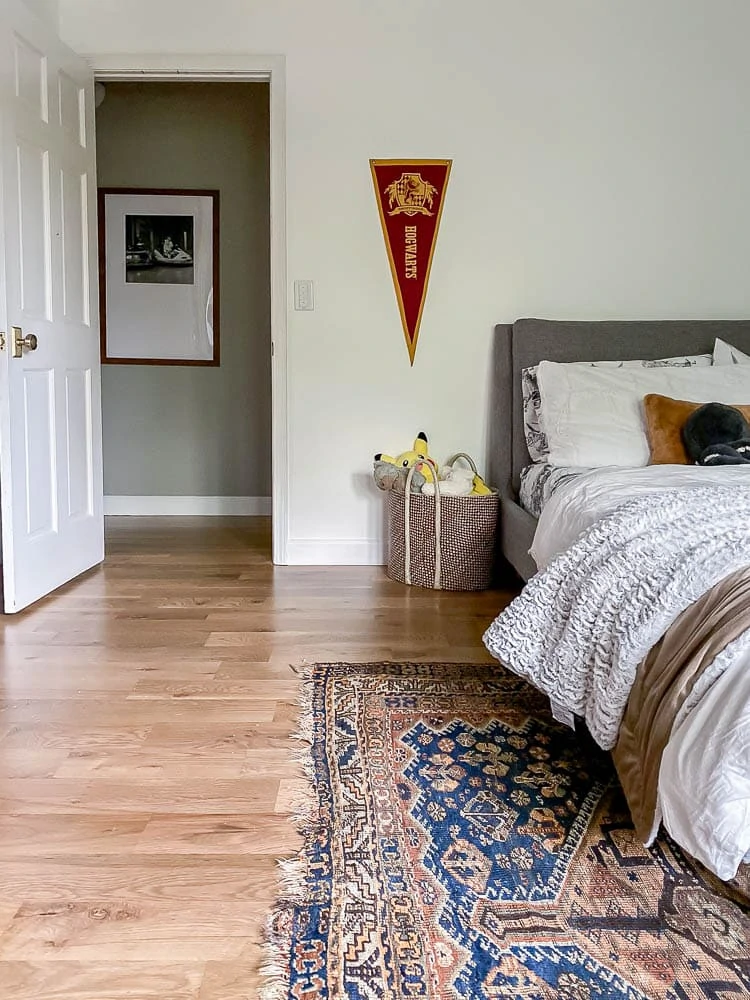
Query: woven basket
{"type": "Point", "coordinates": [442, 542]}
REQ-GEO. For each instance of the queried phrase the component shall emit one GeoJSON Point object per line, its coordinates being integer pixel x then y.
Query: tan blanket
{"type": "Point", "coordinates": [663, 683]}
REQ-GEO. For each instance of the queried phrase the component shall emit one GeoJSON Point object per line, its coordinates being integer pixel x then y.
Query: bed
{"type": "Point", "coordinates": [638, 620]}
{"type": "Point", "coordinates": [526, 342]}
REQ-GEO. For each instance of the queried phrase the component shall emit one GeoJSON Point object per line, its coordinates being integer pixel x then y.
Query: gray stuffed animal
{"type": "Point", "coordinates": [390, 477]}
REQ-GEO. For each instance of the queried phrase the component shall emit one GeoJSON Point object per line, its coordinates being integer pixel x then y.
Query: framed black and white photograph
{"type": "Point", "coordinates": [159, 276]}
{"type": "Point", "coordinates": [159, 248]}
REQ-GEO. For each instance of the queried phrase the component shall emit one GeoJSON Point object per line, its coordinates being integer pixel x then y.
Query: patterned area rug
{"type": "Point", "coordinates": [461, 844]}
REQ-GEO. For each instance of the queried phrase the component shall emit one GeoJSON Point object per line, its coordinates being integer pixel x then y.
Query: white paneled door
{"type": "Point", "coordinates": [50, 414]}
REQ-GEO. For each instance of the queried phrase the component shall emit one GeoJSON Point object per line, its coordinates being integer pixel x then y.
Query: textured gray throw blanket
{"type": "Point", "coordinates": [580, 628]}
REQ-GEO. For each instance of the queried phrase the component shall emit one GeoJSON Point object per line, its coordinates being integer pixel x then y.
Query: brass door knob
{"type": "Point", "coordinates": [21, 343]}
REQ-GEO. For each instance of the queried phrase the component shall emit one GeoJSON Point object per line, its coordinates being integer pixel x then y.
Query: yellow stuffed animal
{"type": "Point", "coordinates": [417, 457]}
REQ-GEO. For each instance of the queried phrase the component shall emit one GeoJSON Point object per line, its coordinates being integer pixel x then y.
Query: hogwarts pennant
{"type": "Point", "coordinates": [410, 196]}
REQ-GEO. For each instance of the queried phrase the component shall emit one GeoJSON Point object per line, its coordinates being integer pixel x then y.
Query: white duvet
{"type": "Point", "coordinates": [704, 781]}
{"type": "Point", "coordinates": [704, 787]}
{"type": "Point", "coordinates": [579, 503]}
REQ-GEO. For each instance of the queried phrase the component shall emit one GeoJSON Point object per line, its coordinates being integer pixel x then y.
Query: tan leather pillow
{"type": "Point", "coordinates": [664, 421]}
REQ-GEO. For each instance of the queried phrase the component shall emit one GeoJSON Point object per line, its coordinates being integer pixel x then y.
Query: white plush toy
{"type": "Point", "coordinates": [453, 481]}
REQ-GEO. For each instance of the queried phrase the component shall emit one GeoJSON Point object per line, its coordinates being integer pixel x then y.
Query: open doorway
{"type": "Point", "coordinates": [52, 496]}
{"type": "Point", "coordinates": [192, 440]}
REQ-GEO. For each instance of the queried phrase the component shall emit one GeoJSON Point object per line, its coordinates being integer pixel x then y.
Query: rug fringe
{"type": "Point", "coordinates": [293, 872]}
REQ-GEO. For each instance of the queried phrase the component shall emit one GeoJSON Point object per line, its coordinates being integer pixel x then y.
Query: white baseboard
{"type": "Point", "coordinates": [188, 506]}
{"type": "Point", "coordinates": [335, 552]}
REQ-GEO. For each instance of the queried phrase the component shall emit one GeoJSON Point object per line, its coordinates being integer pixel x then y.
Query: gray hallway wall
{"type": "Point", "coordinates": [184, 431]}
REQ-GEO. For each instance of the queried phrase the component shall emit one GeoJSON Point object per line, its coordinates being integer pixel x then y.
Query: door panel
{"type": "Point", "coordinates": [50, 407]}
{"type": "Point", "coordinates": [30, 77]}
{"type": "Point", "coordinates": [72, 100]}
{"type": "Point", "coordinates": [78, 437]}
{"type": "Point", "coordinates": [34, 231]}
{"type": "Point", "coordinates": [74, 245]}
{"type": "Point", "coordinates": [39, 446]}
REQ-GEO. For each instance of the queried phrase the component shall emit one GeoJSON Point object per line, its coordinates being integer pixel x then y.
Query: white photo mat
{"type": "Point", "coordinates": [159, 299]}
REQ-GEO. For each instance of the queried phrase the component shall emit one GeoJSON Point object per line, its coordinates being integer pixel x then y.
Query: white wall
{"type": "Point", "coordinates": [601, 156]}
{"type": "Point", "coordinates": [48, 10]}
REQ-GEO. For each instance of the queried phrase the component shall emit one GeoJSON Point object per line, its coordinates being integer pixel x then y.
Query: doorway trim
{"type": "Point", "coordinates": [237, 69]}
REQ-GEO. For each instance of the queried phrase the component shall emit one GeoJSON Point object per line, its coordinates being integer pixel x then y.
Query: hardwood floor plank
{"type": "Point", "coordinates": [73, 736]}
{"type": "Point", "coordinates": [174, 766]}
{"type": "Point", "coordinates": [145, 769]}
{"type": "Point", "coordinates": [114, 712]}
{"type": "Point", "coordinates": [241, 688]}
{"type": "Point", "coordinates": [51, 834]}
{"type": "Point", "coordinates": [100, 929]}
{"type": "Point", "coordinates": [291, 794]}
{"type": "Point", "coordinates": [8, 910]}
{"type": "Point", "coordinates": [30, 762]}
{"type": "Point", "coordinates": [230, 981]}
{"type": "Point", "coordinates": [98, 794]}
{"type": "Point", "coordinates": [139, 877]}
{"type": "Point", "coordinates": [45, 980]}
{"type": "Point", "coordinates": [249, 834]}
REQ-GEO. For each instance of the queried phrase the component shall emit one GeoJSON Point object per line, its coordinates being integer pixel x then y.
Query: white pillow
{"type": "Point", "coordinates": [725, 354]}
{"type": "Point", "coordinates": [532, 400]}
{"type": "Point", "coordinates": [593, 417]}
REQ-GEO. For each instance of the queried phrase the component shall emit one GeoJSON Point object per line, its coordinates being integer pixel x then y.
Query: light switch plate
{"type": "Point", "coordinates": [304, 297]}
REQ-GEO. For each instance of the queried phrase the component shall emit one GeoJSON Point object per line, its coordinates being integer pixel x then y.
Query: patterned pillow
{"type": "Point", "coordinates": [536, 440]}
{"type": "Point", "coordinates": [539, 481]}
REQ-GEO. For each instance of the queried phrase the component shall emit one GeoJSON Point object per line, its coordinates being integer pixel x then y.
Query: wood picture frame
{"type": "Point", "coordinates": [159, 273]}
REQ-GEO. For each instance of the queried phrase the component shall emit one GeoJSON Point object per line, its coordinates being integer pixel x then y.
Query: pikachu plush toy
{"type": "Point", "coordinates": [416, 457]}
{"type": "Point", "coordinates": [390, 473]}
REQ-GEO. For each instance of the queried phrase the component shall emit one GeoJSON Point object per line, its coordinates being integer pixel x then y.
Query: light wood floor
{"type": "Point", "coordinates": [144, 771]}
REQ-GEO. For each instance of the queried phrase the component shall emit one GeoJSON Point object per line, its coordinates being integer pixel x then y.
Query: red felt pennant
{"type": "Point", "coordinates": [410, 196]}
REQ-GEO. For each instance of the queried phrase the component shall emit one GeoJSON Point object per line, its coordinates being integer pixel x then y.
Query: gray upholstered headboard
{"type": "Point", "coordinates": [529, 341]}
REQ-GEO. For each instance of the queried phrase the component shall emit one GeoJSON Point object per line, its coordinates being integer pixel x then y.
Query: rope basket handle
{"type": "Point", "coordinates": [407, 525]}
{"type": "Point", "coordinates": [467, 458]}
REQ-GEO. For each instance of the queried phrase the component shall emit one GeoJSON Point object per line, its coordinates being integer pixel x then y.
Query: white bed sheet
{"type": "Point", "coordinates": [582, 500]}
{"type": "Point", "coordinates": [704, 782]}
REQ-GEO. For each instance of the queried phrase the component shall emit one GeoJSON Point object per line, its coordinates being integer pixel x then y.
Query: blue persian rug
{"type": "Point", "coordinates": [461, 844]}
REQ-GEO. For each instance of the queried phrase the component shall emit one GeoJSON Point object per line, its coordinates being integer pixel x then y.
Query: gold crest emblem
{"type": "Point", "coordinates": [411, 194]}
